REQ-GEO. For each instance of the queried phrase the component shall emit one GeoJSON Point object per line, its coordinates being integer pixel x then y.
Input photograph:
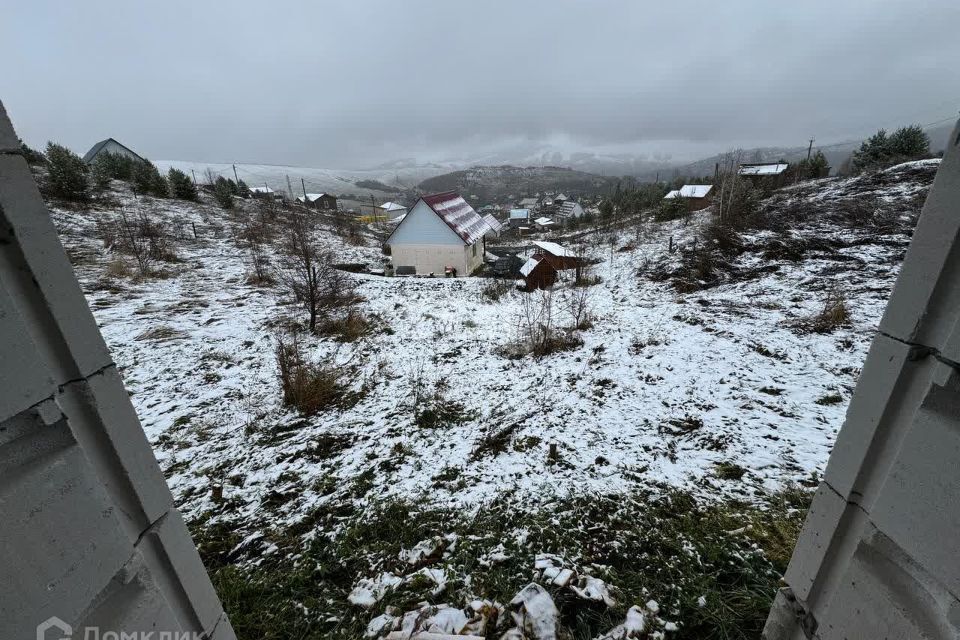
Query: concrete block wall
{"type": "Point", "coordinates": [879, 553]}
{"type": "Point", "coordinates": [88, 530]}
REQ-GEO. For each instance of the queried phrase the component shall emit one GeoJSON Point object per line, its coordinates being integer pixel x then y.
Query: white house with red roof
{"type": "Point", "coordinates": [441, 233]}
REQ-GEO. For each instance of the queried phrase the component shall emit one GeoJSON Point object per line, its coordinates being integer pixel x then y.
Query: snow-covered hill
{"type": "Point", "coordinates": [723, 392]}
{"type": "Point", "coordinates": [335, 181]}
{"type": "Point", "coordinates": [665, 388]}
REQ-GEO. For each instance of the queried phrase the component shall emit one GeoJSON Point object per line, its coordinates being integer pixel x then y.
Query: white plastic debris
{"type": "Point", "coordinates": [633, 627]}
{"type": "Point", "coordinates": [423, 550]}
{"type": "Point", "coordinates": [368, 592]}
{"type": "Point", "coordinates": [595, 589]}
{"type": "Point", "coordinates": [380, 625]}
{"type": "Point", "coordinates": [445, 619]}
{"type": "Point", "coordinates": [535, 613]}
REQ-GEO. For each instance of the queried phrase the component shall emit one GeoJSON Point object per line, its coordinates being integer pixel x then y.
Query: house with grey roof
{"type": "Point", "coordinates": [109, 146]}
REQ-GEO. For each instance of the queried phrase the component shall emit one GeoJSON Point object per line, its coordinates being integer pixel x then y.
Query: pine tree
{"type": "Point", "coordinates": [909, 142]}
{"type": "Point", "coordinates": [142, 177]}
{"type": "Point", "coordinates": [818, 166]}
{"type": "Point", "coordinates": [32, 156]}
{"type": "Point", "coordinates": [147, 179]}
{"type": "Point", "coordinates": [67, 174]}
{"type": "Point", "coordinates": [101, 172]}
{"type": "Point", "coordinates": [181, 186]}
{"type": "Point", "coordinates": [882, 150]}
{"type": "Point", "coordinates": [223, 193]}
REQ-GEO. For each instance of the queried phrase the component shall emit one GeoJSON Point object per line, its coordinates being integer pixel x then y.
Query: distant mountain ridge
{"type": "Point", "coordinates": [499, 183]}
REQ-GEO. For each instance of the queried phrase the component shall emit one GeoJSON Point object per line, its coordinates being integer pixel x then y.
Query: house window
{"type": "Point", "coordinates": [474, 249]}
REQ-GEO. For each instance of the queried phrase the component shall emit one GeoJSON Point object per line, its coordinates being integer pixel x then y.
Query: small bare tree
{"type": "Point", "coordinates": [536, 323]}
{"type": "Point", "coordinates": [309, 273]}
{"type": "Point", "coordinates": [300, 264]}
{"type": "Point", "coordinates": [136, 243]}
{"type": "Point", "coordinates": [577, 303]}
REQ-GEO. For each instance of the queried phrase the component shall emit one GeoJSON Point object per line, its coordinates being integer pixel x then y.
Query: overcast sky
{"type": "Point", "coordinates": [358, 83]}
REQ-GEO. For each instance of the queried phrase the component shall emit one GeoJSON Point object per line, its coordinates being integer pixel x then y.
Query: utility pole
{"type": "Point", "coordinates": [809, 149]}
{"type": "Point", "coordinates": [716, 172]}
{"type": "Point", "coordinates": [304, 185]}
{"type": "Point", "coordinates": [194, 177]}
{"type": "Point", "coordinates": [235, 176]}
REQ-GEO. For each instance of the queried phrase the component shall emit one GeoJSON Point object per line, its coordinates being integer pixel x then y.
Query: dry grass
{"type": "Point", "coordinates": [308, 387]}
{"type": "Point", "coordinates": [833, 315]}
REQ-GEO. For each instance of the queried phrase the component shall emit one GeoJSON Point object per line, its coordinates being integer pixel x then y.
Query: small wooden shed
{"type": "Point", "coordinates": [538, 273]}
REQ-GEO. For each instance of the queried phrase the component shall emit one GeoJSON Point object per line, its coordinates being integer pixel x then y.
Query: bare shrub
{"type": "Point", "coordinates": [431, 407]}
{"type": "Point", "coordinates": [346, 328]}
{"type": "Point", "coordinates": [309, 388]}
{"type": "Point", "coordinates": [538, 334]}
{"type": "Point", "coordinates": [833, 314]}
{"type": "Point", "coordinates": [577, 302]}
{"type": "Point", "coordinates": [496, 288]}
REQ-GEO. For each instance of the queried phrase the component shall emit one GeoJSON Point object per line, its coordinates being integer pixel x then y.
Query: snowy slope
{"type": "Point", "coordinates": [664, 388]}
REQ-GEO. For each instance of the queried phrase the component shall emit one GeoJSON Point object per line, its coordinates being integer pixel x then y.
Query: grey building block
{"type": "Point", "coordinates": [917, 508]}
{"type": "Point", "coordinates": [39, 279]}
{"type": "Point", "coordinates": [786, 618]}
{"type": "Point", "coordinates": [24, 380]}
{"type": "Point", "coordinates": [922, 308]}
{"type": "Point", "coordinates": [884, 594]}
{"type": "Point", "coordinates": [62, 542]}
{"type": "Point", "coordinates": [889, 391]}
{"type": "Point", "coordinates": [8, 139]}
{"type": "Point", "coordinates": [132, 603]}
{"type": "Point", "coordinates": [104, 423]}
{"type": "Point", "coordinates": [169, 545]}
{"type": "Point", "coordinates": [223, 630]}
{"type": "Point", "coordinates": [815, 541]}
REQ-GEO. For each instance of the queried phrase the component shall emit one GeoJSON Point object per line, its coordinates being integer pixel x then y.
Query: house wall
{"type": "Point", "coordinates": [113, 147]}
{"type": "Point", "coordinates": [432, 258]}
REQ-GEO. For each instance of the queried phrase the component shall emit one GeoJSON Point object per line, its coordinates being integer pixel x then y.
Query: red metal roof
{"type": "Point", "coordinates": [458, 214]}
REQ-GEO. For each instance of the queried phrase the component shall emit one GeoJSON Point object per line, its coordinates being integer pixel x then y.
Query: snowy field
{"type": "Point", "coordinates": [665, 388]}
{"type": "Point", "coordinates": [680, 424]}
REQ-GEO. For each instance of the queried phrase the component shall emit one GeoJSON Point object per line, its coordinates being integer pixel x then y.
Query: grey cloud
{"type": "Point", "coordinates": [348, 84]}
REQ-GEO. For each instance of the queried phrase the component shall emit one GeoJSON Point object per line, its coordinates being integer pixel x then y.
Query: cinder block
{"type": "Point", "coordinates": [42, 286]}
{"type": "Point", "coordinates": [922, 307]}
{"type": "Point", "coordinates": [24, 380]}
{"type": "Point", "coordinates": [172, 556]}
{"type": "Point", "coordinates": [889, 391]}
{"type": "Point", "coordinates": [8, 139]}
{"type": "Point", "coordinates": [62, 542]}
{"type": "Point", "coordinates": [917, 507]}
{"type": "Point", "coordinates": [132, 604]}
{"type": "Point", "coordinates": [104, 423]}
{"type": "Point", "coordinates": [815, 542]}
{"type": "Point", "coordinates": [882, 596]}
{"type": "Point", "coordinates": [223, 630]}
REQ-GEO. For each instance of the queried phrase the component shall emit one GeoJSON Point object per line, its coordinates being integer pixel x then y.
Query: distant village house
{"type": "Point", "coordinates": [441, 234]}
{"type": "Point", "coordinates": [764, 174]}
{"type": "Point", "coordinates": [519, 217]}
{"type": "Point", "coordinates": [569, 210]}
{"type": "Point", "coordinates": [109, 146]}
{"type": "Point", "coordinates": [695, 196]}
{"type": "Point", "coordinates": [391, 210]}
{"type": "Point", "coordinates": [323, 201]}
